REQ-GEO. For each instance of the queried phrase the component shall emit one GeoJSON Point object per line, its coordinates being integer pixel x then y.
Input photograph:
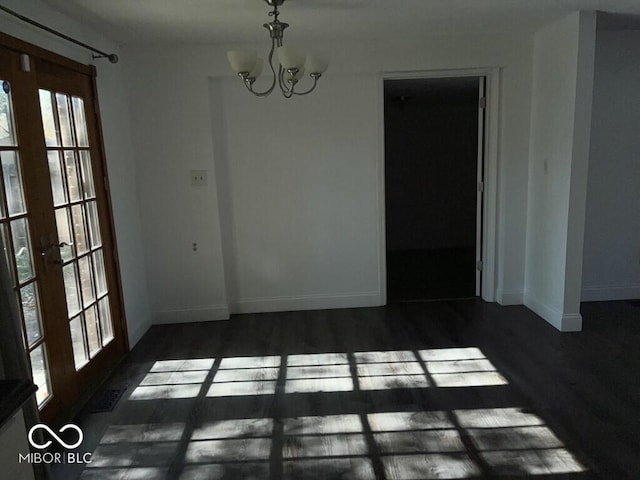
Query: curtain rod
{"type": "Point", "coordinates": [113, 58]}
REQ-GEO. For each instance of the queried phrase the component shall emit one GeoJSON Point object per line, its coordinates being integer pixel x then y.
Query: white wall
{"type": "Point", "coordinates": [612, 230]}
{"type": "Point", "coordinates": [301, 197]}
{"type": "Point", "coordinates": [172, 127]}
{"type": "Point", "coordinates": [117, 138]}
{"type": "Point", "coordinates": [560, 128]}
{"type": "Point", "coordinates": [292, 215]}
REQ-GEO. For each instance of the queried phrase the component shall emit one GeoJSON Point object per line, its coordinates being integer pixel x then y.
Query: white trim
{"type": "Point", "coordinates": [491, 174]}
{"type": "Point", "coordinates": [565, 322]}
{"type": "Point", "coordinates": [307, 302]}
{"type": "Point", "coordinates": [599, 293]}
{"type": "Point", "coordinates": [382, 236]}
{"type": "Point", "coordinates": [492, 114]}
{"type": "Point", "coordinates": [571, 322]}
{"type": "Point", "coordinates": [510, 297]}
{"type": "Point", "coordinates": [187, 315]}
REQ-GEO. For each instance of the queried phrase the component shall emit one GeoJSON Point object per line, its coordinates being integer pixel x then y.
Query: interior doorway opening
{"type": "Point", "coordinates": [434, 144]}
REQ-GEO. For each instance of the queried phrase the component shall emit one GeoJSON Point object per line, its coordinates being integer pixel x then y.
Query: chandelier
{"type": "Point", "coordinates": [293, 65]}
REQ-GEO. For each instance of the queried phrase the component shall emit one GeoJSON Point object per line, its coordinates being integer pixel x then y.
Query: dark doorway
{"type": "Point", "coordinates": [432, 165]}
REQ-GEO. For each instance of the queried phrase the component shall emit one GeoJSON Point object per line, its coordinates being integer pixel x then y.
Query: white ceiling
{"type": "Point", "coordinates": [147, 22]}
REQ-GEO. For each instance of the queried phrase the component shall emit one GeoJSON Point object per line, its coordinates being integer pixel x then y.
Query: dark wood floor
{"type": "Point", "coordinates": [459, 389]}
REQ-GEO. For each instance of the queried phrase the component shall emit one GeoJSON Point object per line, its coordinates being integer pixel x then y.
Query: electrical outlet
{"type": "Point", "coordinates": [199, 178]}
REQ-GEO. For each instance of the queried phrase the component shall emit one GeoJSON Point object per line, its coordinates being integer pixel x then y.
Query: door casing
{"type": "Point", "coordinates": [489, 273]}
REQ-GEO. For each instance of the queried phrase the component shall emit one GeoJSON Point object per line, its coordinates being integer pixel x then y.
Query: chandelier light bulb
{"type": "Point", "coordinates": [290, 58]}
{"type": "Point", "coordinates": [242, 60]}
{"type": "Point", "coordinates": [315, 63]}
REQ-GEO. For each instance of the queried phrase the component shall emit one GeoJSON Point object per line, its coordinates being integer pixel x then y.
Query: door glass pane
{"type": "Point", "coordinates": [7, 128]}
{"type": "Point", "coordinates": [87, 175]}
{"type": "Point", "coordinates": [71, 288]}
{"type": "Point", "coordinates": [12, 183]}
{"type": "Point", "coordinates": [51, 132]}
{"type": "Point", "coordinates": [105, 320]}
{"type": "Point", "coordinates": [64, 117]}
{"type": "Point", "coordinates": [93, 333]}
{"type": "Point", "coordinates": [22, 249]}
{"type": "Point", "coordinates": [31, 313]}
{"type": "Point", "coordinates": [71, 168]}
{"type": "Point", "coordinates": [101, 278]}
{"type": "Point", "coordinates": [64, 234]}
{"type": "Point", "coordinates": [94, 226]}
{"type": "Point", "coordinates": [80, 122]}
{"type": "Point", "coordinates": [77, 339]}
{"type": "Point", "coordinates": [39, 369]}
{"type": "Point", "coordinates": [57, 179]}
{"type": "Point", "coordinates": [6, 245]}
{"type": "Point", "coordinates": [79, 229]}
{"type": "Point", "coordinates": [86, 280]}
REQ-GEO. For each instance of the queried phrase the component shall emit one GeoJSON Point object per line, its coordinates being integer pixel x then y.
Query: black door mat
{"type": "Point", "coordinates": [106, 400]}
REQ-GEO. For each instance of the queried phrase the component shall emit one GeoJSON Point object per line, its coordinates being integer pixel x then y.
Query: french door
{"type": "Point", "coordinates": [55, 223]}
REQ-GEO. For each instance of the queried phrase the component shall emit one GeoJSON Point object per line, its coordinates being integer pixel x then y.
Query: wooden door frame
{"type": "Point", "coordinates": [489, 280]}
{"type": "Point", "coordinates": [100, 175]}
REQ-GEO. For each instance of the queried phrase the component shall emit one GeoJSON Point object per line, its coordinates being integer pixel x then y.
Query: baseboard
{"type": "Point", "coordinates": [307, 302]}
{"type": "Point", "coordinates": [187, 315]}
{"type": "Point", "coordinates": [571, 322]}
{"type": "Point", "coordinates": [565, 322]}
{"type": "Point", "coordinates": [510, 297]}
{"type": "Point", "coordinates": [599, 293]}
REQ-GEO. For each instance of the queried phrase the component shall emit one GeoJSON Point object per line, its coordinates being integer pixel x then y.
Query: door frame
{"type": "Point", "coordinates": [489, 274]}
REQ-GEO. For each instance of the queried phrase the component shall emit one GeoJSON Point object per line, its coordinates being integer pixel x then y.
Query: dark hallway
{"type": "Point", "coordinates": [431, 175]}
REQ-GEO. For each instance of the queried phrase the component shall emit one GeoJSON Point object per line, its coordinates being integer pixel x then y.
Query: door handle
{"type": "Point", "coordinates": [46, 249]}
{"type": "Point", "coordinates": [50, 250]}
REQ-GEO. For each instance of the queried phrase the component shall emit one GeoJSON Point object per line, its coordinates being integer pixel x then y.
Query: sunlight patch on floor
{"type": "Point", "coordinates": [143, 433]}
{"type": "Point", "coordinates": [327, 372]}
{"type": "Point", "coordinates": [402, 445]}
{"type": "Point", "coordinates": [430, 465]}
{"type": "Point", "coordinates": [235, 389]}
{"type": "Point", "coordinates": [386, 370]}
{"type": "Point", "coordinates": [182, 365]}
{"type": "Point", "coordinates": [238, 448]}
{"type": "Point", "coordinates": [173, 379]}
{"type": "Point", "coordinates": [241, 376]}
{"type": "Point", "coordinates": [320, 372]}
{"type": "Point", "coordinates": [461, 367]}
{"type": "Point", "coordinates": [242, 427]}
{"type": "Point", "coordinates": [240, 471]}
{"type": "Point", "coordinates": [513, 441]}
{"type": "Point", "coordinates": [133, 473]}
